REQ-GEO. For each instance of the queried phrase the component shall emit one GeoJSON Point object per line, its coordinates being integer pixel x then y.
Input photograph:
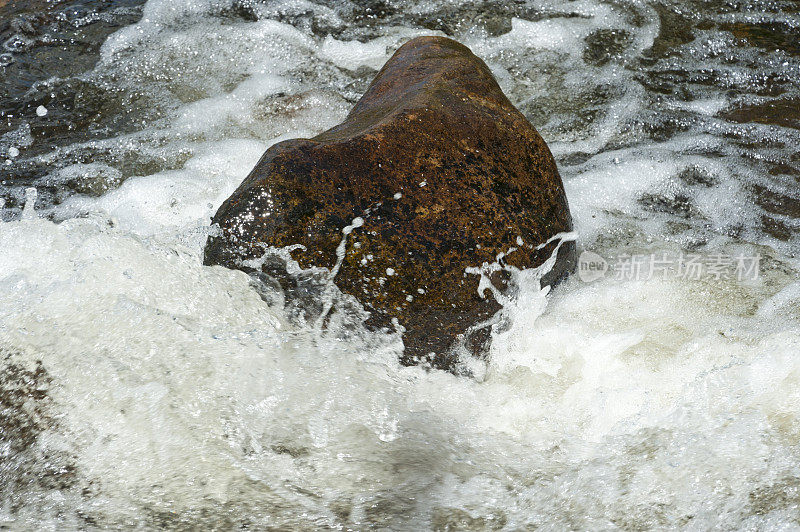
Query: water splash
{"type": "Point", "coordinates": [486, 270]}
{"type": "Point", "coordinates": [330, 288]}
{"type": "Point", "coordinates": [28, 211]}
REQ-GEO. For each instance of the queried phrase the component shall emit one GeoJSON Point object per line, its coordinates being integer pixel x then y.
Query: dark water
{"type": "Point", "coordinates": [48, 47]}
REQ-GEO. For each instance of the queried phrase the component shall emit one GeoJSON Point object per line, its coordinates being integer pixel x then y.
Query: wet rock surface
{"type": "Point", "coordinates": [440, 173]}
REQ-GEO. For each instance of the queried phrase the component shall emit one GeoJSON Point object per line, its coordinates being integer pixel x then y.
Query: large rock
{"type": "Point", "coordinates": [445, 173]}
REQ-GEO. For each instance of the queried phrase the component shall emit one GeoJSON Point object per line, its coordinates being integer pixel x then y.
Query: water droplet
{"type": "Point", "coordinates": [357, 222]}
{"type": "Point", "coordinates": [13, 152]}
{"type": "Point", "coordinates": [389, 271]}
{"type": "Point", "coordinates": [41, 110]}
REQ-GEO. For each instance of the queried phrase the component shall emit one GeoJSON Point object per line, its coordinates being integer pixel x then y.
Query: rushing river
{"type": "Point", "coordinates": [142, 389]}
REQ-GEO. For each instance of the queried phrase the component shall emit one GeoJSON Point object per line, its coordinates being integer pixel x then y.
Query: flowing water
{"type": "Point", "coordinates": [142, 389]}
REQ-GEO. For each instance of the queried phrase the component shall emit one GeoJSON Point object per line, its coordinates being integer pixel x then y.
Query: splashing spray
{"type": "Point", "coordinates": [28, 212]}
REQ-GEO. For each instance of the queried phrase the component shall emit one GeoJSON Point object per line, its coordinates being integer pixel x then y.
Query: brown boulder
{"type": "Point", "coordinates": [445, 173]}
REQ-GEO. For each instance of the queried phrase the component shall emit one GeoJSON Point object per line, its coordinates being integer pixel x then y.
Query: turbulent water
{"type": "Point", "coordinates": [142, 389]}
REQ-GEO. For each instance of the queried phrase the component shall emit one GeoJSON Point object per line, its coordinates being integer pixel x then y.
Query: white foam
{"type": "Point", "coordinates": [186, 361]}
{"type": "Point", "coordinates": [173, 200]}
{"type": "Point", "coordinates": [353, 54]}
{"type": "Point", "coordinates": [28, 211]}
{"type": "Point", "coordinates": [613, 182]}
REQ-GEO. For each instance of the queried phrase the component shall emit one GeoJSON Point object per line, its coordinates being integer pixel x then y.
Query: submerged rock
{"type": "Point", "coordinates": [440, 173]}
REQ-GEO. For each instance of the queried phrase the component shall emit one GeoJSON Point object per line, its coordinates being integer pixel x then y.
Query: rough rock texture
{"type": "Point", "coordinates": [445, 173]}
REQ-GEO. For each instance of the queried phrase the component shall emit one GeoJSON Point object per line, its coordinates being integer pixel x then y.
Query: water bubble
{"type": "Point", "coordinates": [356, 223]}
{"type": "Point", "coordinates": [388, 436]}
{"type": "Point", "coordinates": [17, 43]}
